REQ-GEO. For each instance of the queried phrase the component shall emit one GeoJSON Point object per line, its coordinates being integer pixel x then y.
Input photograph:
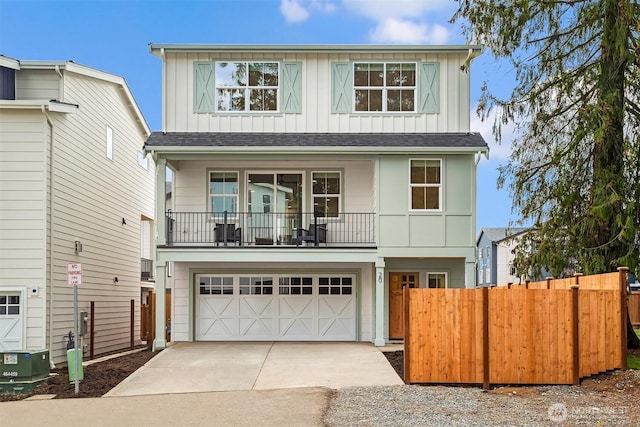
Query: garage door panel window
{"type": "Point", "coordinates": [335, 285]}
{"type": "Point", "coordinates": [9, 304]}
{"type": "Point", "coordinates": [216, 285]}
{"type": "Point", "coordinates": [296, 285]}
{"type": "Point", "coordinates": [256, 285]}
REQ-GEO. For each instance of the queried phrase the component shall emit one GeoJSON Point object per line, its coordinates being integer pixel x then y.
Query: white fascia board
{"type": "Point", "coordinates": [313, 150]}
{"type": "Point", "coordinates": [159, 49]}
{"type": "Point", "coordinates": [296, 255]}
{"type": "Point", "coordinates": [7, 62]}
{"type": "Point", "coordinates": [38, 104]}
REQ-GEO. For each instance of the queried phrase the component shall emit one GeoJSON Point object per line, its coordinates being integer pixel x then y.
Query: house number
{"type": "Point", "coordinates": [10, 374]}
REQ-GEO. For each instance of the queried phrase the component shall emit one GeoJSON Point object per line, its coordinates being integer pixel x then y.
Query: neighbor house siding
{"type": "Point", "coordinates": [23, 141]}
{"type": "Point", "coordinates": [315, 99]}
{"type": "Point", "coordinates": [92, 196]}
{"type": "Point", "coordinates": [38, 84]}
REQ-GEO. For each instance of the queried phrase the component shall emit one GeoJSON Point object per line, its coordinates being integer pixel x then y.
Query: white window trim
{"type": "Point", "coordinates": [446, 278]}
{"type": "Point", "coordinates": [384, 87]}
{"type": "Point", "coordinates": [22, 291]}
{"type": "Point", "coordinates": [212, 195]}
{"type": "Point", "coordinates": [440, 186]}
{"type": "Point", "coordinates": [275, 173]}
{"type": "Point", "coordinates": [339, 195]}
{"type": "Point", "coordinates": [247, 110]}
{"type": "Point", "coordinates": [143, 160]}
{"type": "Point", "coordinates": [110, 144]}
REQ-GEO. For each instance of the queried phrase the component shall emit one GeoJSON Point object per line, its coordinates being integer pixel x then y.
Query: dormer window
{"type": "Point", "coordinates": [247, 86]}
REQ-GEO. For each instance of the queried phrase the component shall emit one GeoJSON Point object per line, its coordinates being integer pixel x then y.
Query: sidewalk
{"type": "Point", "coordinates": [286, 407]}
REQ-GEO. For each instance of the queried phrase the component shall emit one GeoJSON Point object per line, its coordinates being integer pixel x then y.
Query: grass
{"type": "Point", "coordinates": [633, 362]}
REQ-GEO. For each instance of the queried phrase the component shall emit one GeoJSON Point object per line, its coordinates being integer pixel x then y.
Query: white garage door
{"type": "Point", "coordinates": [276, 308]}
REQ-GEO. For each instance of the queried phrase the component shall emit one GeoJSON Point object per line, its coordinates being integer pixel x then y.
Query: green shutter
{"type": "Point", "coordinates": [291, 96]}
{"type": "Point", "coordinates": [204, 87]}
{"type": "Point", "coordinates": [341, 87]}
{"type": "Point", "coordinates": [429, 87]}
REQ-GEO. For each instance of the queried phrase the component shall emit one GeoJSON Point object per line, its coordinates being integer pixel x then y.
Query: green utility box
{"type": "Point", "coordinates": [20, 371]}
{"type": "Point", "coordinates": [71, 361]}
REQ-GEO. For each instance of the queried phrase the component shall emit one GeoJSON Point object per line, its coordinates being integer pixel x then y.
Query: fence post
{"type": "Point", "coordinates": [132, 323]}
{"type": "Point", "coordinates": [407, 336]}
{"type": "Point", "coordinates": [622, 272]}
{"type": "Point", "coordinates": [575, 320]}
{"type": "Point", "coordinates": [526, 283]}
{"type": "Point", "coordinates": [485, 339]}
{"type": "Point", "coordinates": [549, 280]}
{"type": "Point", "coordinates": [577, 277]}
{"type": "Point", "coordinates": [92, 330]}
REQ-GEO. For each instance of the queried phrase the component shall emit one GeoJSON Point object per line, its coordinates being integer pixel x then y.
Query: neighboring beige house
{"type": "Point", "coordinates": [311, 183]}
{"type": "Point", "coordinates": [75, 187]}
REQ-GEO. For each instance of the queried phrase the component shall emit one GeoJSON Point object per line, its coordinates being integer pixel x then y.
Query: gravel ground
{"type": "Point", "coordinates": [415, 405]}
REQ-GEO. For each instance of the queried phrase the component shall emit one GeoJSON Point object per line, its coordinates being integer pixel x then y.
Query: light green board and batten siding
{"type": "Point", "coordinates": [312, 99]}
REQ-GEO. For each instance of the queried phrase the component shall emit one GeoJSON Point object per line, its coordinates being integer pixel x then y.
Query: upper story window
{"type": "Point", "coordinates": [247, 86]}
{"type": "Point", "coordinates": [109, 146]}
{"type": "Point", "coordinates": [223, 192]}
{"type": "Point", "coordinates": [426, 184]}
{"type": "Point", "coordinates": [326, 194]}
{"type": "Point", "coordinates": [384, 86]}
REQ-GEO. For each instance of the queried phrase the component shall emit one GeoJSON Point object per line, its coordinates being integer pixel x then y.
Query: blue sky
{"type": "Point", "coordinates": [113, 36]}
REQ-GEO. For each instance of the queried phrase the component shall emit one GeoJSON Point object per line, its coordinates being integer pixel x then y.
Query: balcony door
{"type": "Point", "coordinates": [274, 207]}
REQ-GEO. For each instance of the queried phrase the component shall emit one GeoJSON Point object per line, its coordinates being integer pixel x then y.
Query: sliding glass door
{"type": "Point", "coordinates": [274, 207]}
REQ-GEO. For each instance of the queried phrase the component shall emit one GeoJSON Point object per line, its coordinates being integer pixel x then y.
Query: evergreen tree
{"type": "Point", "coordinates": [574, 172]}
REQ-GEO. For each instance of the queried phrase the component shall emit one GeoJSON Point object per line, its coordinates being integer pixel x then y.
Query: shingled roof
{"type": "Point", "coordinates": [365, 140]}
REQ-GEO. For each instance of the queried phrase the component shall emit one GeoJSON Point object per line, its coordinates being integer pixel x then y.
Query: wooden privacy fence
{"type": "Point", "coordinates": [550, 332]}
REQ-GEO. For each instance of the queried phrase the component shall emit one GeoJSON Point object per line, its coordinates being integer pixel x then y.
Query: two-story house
{"type": "Point", "coordinates": [310, 184]}
{"type": "Point", "coordinates": [496, 254]}
{"type": "Point", "coordinates": [75, 187]}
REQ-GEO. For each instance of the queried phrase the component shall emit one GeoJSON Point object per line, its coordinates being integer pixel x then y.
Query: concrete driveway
{"type": "Point", "coordinates": [208, 367]}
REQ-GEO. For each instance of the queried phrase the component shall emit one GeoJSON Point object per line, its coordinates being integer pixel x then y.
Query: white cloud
{"type": "Point", "coordinates": [293, 11]}
{"type": "Point", "coordinates": [300, 10]}
{"type": "Point", "coordinates": [405, 21]}
{"type": "Point", "coordinates": [383, 9]}
{"type": "Point", "coordinates": [497, 152]}
{"type": "Point", "coordinates": [396, 30]}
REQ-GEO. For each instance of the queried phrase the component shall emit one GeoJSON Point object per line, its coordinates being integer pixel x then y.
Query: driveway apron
{"type": "Point", "coordinates": [224, 366]}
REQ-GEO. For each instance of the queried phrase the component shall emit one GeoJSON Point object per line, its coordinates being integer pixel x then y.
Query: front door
{"type": "Point", "coordinates": [397, 281]}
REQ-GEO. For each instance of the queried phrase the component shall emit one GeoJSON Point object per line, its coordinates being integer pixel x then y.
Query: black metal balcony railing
{"type": "Point", "coordinates": [242, 229]}
{"type": "Point", "coordinates": [146, 269]}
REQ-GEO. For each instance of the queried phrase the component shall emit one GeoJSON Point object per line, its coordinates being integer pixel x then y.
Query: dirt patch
{"type": "Point", "coordinates": [99, 378]}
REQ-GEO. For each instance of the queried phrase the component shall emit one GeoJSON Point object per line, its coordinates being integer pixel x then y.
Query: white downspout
{"type": "Point", "coordinates": [49, 291]}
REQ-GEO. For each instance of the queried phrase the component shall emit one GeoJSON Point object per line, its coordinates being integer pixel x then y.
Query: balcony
{"type": "Point", "coordinates": [268, 230]}
{"type": "Point", "coordinates": [146, 270]}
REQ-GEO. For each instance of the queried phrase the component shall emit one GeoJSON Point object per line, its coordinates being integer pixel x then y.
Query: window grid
{"type": "Point", "coordinates": [425, 184]}
{"type": "Point", "coordinates": [296, 285]}
{"type": "Point", "coordinates": [437, 280]}
{"type": "Point", "coordinates": [384, 87]}
{"type": "Point", "coordinates": [223, 192]}
{"type": "Point", "coordinates": [326, 193]}
{"type": "Point", "coordinates": [335, 286]}
{"type": "Point", "coordinates": [216, 285]}
{"type": "Point", "coordinates": [256, 285]}
{"type": "Point", "coordinates": [247, 86]}
{"type": "Point", "coordinates": [9, 305]}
